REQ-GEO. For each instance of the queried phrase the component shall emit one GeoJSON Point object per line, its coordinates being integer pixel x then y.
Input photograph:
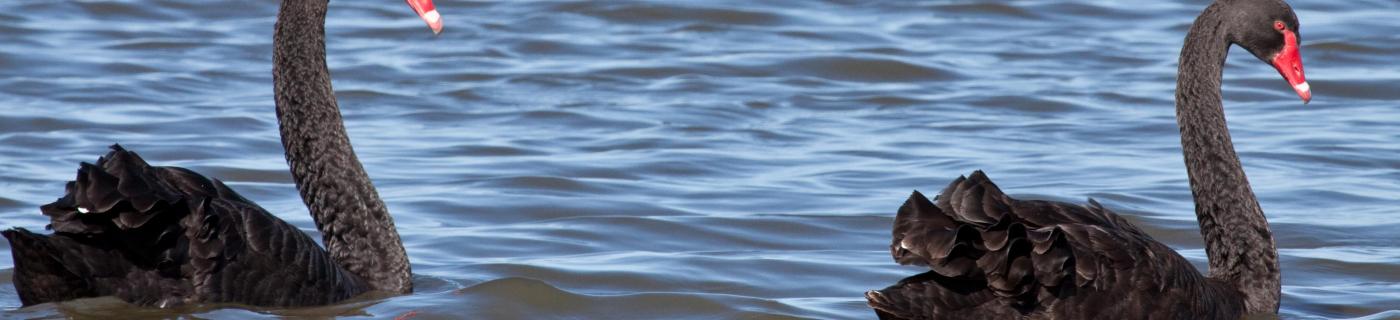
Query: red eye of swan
{"type": "Point", "coordinates": [1278, 25]}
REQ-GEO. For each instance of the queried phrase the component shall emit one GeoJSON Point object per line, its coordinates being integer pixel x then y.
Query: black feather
{"type": "Point", "coordinates": [994, 257]}
{"type": "Point", "coordinates": [188, 243]}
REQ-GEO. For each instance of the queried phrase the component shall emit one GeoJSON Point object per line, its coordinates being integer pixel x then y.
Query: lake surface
{"type": "Point", "coordinates": [712, 159]}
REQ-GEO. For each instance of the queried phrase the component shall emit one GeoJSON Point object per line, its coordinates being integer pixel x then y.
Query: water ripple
{"type": "Point", "coordinates": [710, 159]}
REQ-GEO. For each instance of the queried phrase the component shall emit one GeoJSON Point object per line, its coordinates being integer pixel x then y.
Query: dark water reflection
{"type": "Point", "coordinates": [712, 160]}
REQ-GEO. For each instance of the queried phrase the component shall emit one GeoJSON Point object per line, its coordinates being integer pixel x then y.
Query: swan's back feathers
{"type": "Point", "coordinates": [994, 257]}
{"type": "Point", "coordinates": [164, 236]}
{"type": "Point", "coordinates": [240, 253]}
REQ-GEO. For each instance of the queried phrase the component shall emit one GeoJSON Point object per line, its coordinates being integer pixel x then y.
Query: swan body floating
{"type": "Point", "coordinates": [995, 257]}
{"type": "Point", "coordinates": [167, 236]}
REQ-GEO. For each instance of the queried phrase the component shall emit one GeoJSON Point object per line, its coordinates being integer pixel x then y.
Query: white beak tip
{"type": "Point", "coordinates": [434, 20]}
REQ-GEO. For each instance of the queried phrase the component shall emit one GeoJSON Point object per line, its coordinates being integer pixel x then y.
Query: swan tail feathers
{"type": "Point", "coordinates": [892, 304]}
{"type": "Point", "coordinates": [933, 296]}
{"type": "Point", "coordinates": [60, 267]}
{"type": "Point", "coordinates": [43, 271]}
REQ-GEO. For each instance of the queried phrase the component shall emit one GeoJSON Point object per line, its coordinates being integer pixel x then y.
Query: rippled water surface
{"type": "Point", "coordinates": [708, 159]}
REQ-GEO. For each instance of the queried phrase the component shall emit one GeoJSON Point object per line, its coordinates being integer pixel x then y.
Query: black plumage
{"type": "Point", "coordinates": [995, 257]}
{"type": "Point", "coordinates": [164, 236]}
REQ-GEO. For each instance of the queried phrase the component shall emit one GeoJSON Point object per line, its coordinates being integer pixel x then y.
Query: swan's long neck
{"type": "Point", "coordinates": [1237, 237]}
{"type": "Point", "coordinates": [355, 226]}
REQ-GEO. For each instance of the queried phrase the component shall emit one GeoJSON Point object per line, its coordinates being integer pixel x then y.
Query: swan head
{"type": "Point", "coordinates": [428, 12]}
{"type": "Point", "coordinates": [1269, 30]}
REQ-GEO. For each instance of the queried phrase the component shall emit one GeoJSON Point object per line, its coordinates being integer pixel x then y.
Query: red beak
{"type": "Point", "coordinates": [425, 10]}
{"type": "Point", "coordinates": [1290, 65]}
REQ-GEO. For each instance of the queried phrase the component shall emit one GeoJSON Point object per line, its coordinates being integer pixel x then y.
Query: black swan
{"type": "Point", "coordinates": [995, 257]}
{"type": "Point", "coordinates": [167, 236]}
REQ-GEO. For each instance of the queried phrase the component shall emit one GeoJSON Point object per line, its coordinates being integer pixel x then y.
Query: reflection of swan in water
{"type": "Point", "coordinates": [994, 257]}
{"type": "Point", "coordinates": [166, 236]}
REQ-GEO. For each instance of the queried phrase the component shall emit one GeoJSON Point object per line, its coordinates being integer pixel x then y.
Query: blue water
{"type": "Point", "coordinates": [712, 159]}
